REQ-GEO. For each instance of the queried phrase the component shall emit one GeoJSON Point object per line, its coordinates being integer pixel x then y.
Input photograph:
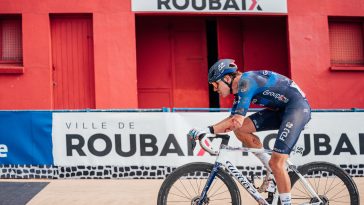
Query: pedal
{"type": "Point", "coordinates": [268, 185]}
{"type": "Point", "coordinates": [270, 197]}
{"type": "Point", "coordinates": [251, 180]}
{"type": "Point", "coordinates": [271, 188]}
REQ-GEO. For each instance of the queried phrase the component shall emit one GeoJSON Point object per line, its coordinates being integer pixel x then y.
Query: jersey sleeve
{"type": "Point", "coordinates": [246, 90]}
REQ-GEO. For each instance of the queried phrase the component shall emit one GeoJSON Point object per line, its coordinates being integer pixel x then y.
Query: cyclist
{"type": "Point", "coordinates": [286, 110]}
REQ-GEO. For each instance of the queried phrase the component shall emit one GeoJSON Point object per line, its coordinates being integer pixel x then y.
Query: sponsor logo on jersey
{"type": "Point", "coordinates": [277, 150]}
{"type": "Point", "coordinates": [277, 96]}
{"type": "Point", "coordinates": [289, 125]}
{"type": "Point", "coordinates": [243, 85]}
{"type": "Point", "coordinates": [286, 131]}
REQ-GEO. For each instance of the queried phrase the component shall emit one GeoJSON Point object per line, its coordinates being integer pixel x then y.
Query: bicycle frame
{"type": "Point", "coordinates": [223, 161]}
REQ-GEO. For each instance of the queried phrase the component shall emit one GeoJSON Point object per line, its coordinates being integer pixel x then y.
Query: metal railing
{"type": "Point", "coordinates": [165, 109]}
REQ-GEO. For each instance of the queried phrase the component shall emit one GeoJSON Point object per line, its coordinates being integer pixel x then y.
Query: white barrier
{"type": "Point", "coordinates": [159, 139]}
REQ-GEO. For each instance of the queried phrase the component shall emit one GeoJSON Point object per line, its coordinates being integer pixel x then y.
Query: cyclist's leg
{"type": "Point", "coordinates": [260, 121]}
{"type": "Point", "coordinates": [277, 164]}
{"type": "Point", "coordinates": [294, 118]}
{"type": "Point", "coordinates": [263, 120]}
{"type": "Point", "coordinates": [246, 136]}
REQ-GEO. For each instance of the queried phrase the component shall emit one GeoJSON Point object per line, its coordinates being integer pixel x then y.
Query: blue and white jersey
{"type": "Point", "coordinates": [267, 89]}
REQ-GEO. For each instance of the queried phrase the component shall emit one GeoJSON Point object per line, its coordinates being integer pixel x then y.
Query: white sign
{"type": "Point", "coordinates": [3, 151]}
{"type": "Point", "coordinates": [152, 139]}
{"type": "Point", "coordinates": [229, 6]}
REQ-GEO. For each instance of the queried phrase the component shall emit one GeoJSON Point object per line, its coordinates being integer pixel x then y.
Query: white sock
{"type": "Point", "coordinates": [264, 158]}
{"type": "Point", "coordinates": [285, 198]}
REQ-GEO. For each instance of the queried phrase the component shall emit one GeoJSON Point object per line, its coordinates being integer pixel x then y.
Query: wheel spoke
{"type": "Point", "coordinates": [222, 199]}
{"type": "Point", "coordinates": [222, 192]}
{"type": "Point", "coordinates": [330, 183]}
{"type": "Point", "coordinates": [318, 184]}
{"type": "Point", "coordinates": [183, 193]}
{"type": "Point", "coordinates": [305, 191]}
{"type": "Point", "coordinates": [333, 187]}
{"type": "Point", "coordinates": [213, 194]}
{"type": "Point", "coordinates": [185, 197]}
{"type": "Point", "coordinates": [193, 187]}
{"type": "Point", "coordinates": [325, 189]}
{"type": "Point", "coordinates": [199, 189]}
{"type": "Point", "coordinates": [186, 186]}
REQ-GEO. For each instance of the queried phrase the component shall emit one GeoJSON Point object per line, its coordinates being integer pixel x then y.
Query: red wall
{"type": "Point", "coordinates": [115, 64]}
{"type": "Point", "coordinates": [114, 53]}
{"type": "Point", "coordinates": [256, 43]}
{"type": "Point", "coordinates": [172, 62]}
{"type": "Point", "coordinates": [310, 54]}
{"type": "Point", "coordinates": [265, 44]}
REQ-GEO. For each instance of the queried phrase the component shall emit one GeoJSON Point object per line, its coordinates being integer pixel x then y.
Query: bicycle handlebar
{"type": "Point", "coordinates": [225, 140]}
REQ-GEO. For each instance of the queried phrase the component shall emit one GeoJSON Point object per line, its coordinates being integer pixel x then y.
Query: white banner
{"type": "Point", "coordinates": [229, 6]}
{"type": "Point", "coordinates": [152, 139]}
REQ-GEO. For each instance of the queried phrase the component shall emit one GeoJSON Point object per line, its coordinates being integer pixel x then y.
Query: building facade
{"type": "Point", "coordinates": [117, 54]}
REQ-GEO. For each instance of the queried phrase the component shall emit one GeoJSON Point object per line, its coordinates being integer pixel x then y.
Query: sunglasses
{"type": "Point", "coordinates": [215, 84]}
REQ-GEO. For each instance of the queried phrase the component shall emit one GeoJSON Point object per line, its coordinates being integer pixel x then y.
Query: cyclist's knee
{"type": "Point", "coordinates": [278, 162]}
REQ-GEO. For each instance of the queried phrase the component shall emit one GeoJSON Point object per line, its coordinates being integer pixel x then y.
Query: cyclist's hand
{"type": "Point", "coordinates": [194, 135]}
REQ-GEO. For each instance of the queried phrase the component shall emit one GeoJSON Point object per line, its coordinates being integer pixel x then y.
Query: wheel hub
{"type": "Point", "coordinates": [324, 199]}
{"type": "Point", "coordinates": [196, 200]}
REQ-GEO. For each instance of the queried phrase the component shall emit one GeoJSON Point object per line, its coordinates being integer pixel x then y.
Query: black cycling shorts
{"type": "Point", "coordinates": [290, 121]}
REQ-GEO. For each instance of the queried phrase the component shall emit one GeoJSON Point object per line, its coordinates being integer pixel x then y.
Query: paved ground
{"type": "Point", "coordinates": [19, 192]}
{"type": "Point", "coordinates": [88, 192]}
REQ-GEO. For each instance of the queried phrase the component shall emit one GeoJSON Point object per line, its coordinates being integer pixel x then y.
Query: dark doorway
{"type": "Point", "coordinates": [212, 57]}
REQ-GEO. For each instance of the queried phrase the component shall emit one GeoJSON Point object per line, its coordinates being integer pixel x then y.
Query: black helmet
{"type": "Point", "coordinates": [221, 68]}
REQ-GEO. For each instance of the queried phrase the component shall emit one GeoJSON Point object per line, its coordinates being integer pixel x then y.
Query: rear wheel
{"type": "Point", "coordinates": [330, 182]}
{"type": "Point", "coordinates": [185, 185]}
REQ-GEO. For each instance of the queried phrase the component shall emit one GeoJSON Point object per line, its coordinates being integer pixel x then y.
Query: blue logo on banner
{"type": "Point", "coordinates": [26, 137]}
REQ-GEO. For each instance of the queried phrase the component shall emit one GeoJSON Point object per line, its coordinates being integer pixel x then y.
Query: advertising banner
{"type": "Point", "coordinates": [229, 6]}
{"type": "Point", "coordinates": [152, 139]}
{"type": "Point", "coordinates": [25, 138]}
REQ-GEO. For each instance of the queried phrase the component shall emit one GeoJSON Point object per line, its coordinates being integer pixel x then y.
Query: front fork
{"type": "Point", "coordinates": [203, 197]}
{"type": "Point", "coordinates": [305, 183]}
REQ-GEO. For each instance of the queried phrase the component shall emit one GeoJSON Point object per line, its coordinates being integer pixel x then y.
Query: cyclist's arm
{"type": "Point", "coordinates": [240, 107]}
{"type": "Point", "coordinates": [230, 123]}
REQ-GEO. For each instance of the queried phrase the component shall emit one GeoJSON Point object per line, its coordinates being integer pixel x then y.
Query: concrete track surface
{"type": "Point", "coordinates": [122, 191]}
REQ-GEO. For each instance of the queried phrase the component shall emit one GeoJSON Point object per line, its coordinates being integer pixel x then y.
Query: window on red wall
{"type": "Point", "coordinates": [346, 43]}
{"type": "Point", "coordinates": [11, 49]}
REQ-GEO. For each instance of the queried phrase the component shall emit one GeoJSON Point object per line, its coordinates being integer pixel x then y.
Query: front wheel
{"type": "Point", "coordinates": [185, 185]}
{"type": "Point", "coordinates": [332, 184]}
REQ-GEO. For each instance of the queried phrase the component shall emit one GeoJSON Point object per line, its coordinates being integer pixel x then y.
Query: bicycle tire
{"type": "Point", "coordinates": [333, 184]}
{"type": "Point", "coordinates": [191, 174]}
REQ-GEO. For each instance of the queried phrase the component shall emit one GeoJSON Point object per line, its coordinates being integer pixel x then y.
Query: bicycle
{"type": "Point", "coordinates": [316, 183]}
